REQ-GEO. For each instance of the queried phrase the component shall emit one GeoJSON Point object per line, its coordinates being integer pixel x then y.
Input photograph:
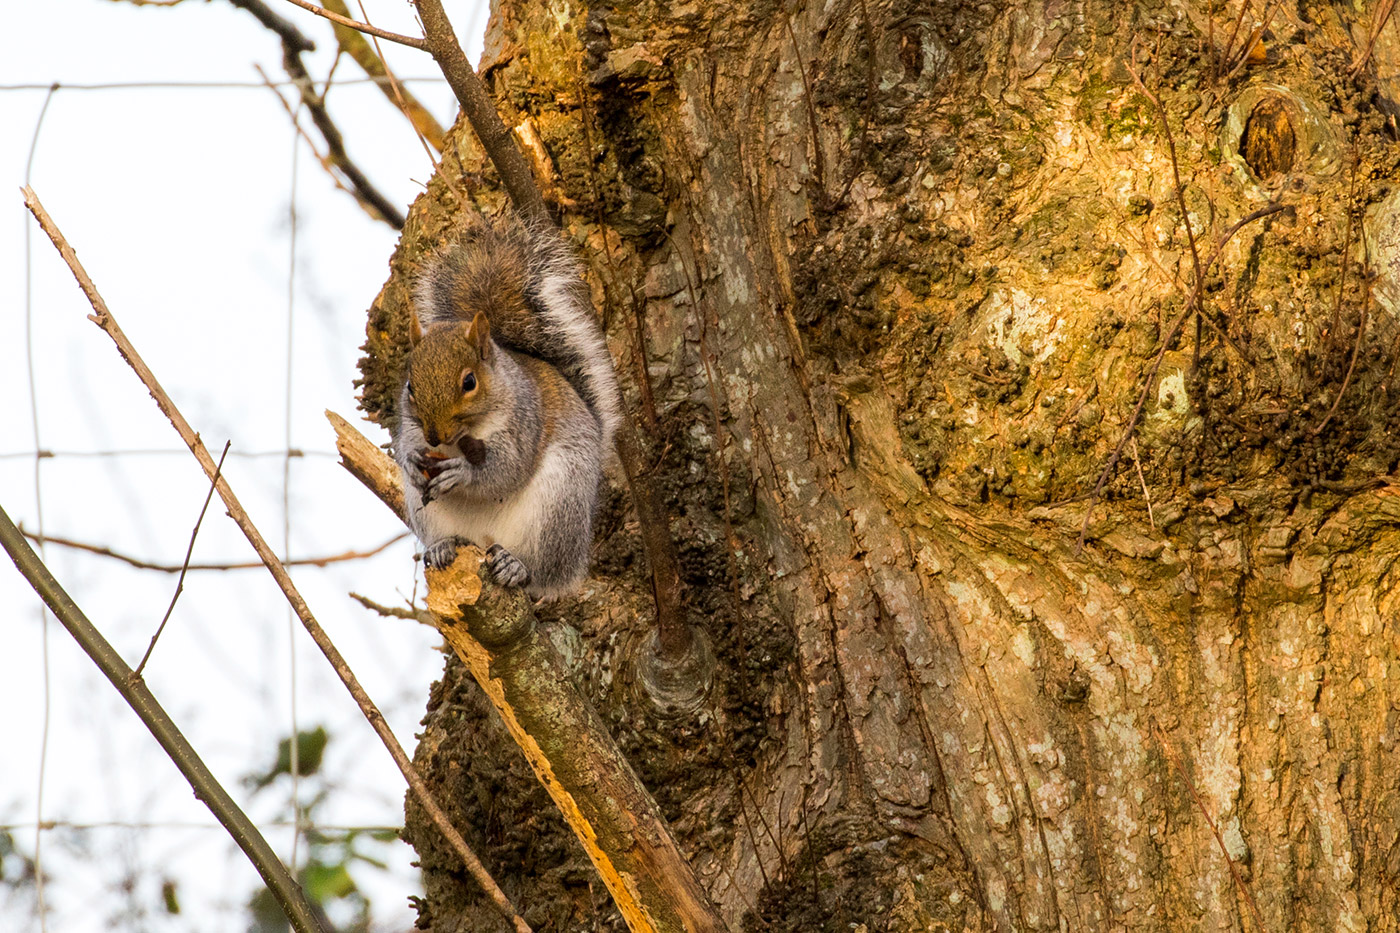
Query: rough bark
{"type": "Point", "coordinates": [901, 271]}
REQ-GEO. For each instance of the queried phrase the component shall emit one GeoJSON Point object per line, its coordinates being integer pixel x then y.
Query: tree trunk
{"type": "Point", "coordinates": [897, 275]}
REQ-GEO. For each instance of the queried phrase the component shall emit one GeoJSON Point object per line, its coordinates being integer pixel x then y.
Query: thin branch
{"type": "Point", "coordinates": [184, 567]}
{"type": "Point", "coordinates": [352, 43]}
{"type": "Point", "coordinates": [1142, 478]}
{"type": "Point", "coordinates": [398, 97]}
{"type": "Point", "coordinates": [292, 37]}
{"type": "Point", "coordinates": [1379, 18]}
{"type": "Point", "coordinates": [441, 42]}
{"type": "Point", "coordinates": [1256, 38]}
{"type": "Point", "coordinates": [1219, 840]}
{"type": "Point", "coordinates": [1351, 367]}
{"type": "Point", "coordinates": [325, 160]}
{"type": "Point", "coordinates": [288, 894]}
{"type": "Point", "coordinates": [1180, 189]}
{"type": "Point", "coordinates": [1228, 53]}
{"type": "Point", "coordinates": [45, 453]}
{"type": "Point", "coordinates": [393, 612]}
{"type": "Point", "coordinates": [365, 28]}
{"type": "Point", "coordinates": [293, 45]}
{"type": "Point", "coordinates": [104, 319]}
{"type": "Point", "coordinates": [238, 565]}
{"type": "Point", "coordinates": [1167, 340]}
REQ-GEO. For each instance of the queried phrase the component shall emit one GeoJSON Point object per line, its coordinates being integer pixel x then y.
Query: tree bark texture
{"type": "Point", "coordinates": [895, 275]}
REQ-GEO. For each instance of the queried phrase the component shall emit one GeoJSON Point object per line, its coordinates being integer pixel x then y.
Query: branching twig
{"type": "Point", "coordinates": [1180, 189]}
{"type": "Point", "coordinates": [373, 64]}
{"type": "Point", "coordinates": [1220, 841]}
{"type": "Point", "coordinates": [441, 42]}
{"type": "Point", "coordinates": [292, 38]}
{"type": "Point", "coordinates": [184, 567]}
{"type": "Point", "coordinates": [287, 892]}
{"type": "Point", "coordinates": [1146, 495]}
{"type": "Point", "coordinates": [1379, 18]}
{"type": "Point", "coordinates": [293, 45]}
{"type": "Point", "coordinates": [1167, 340]}
{"type": "Point", "coordinates": [1255, 38]}
{"type": "Point", "coordinates": [365, 28]}
{"type": "Point", "coordinates": [1351, 367]}
{"type": "Point", "coordinates": [103, 318]}
{"type": "Point", "coordinates": [235, 565]}
{"type": "Point", "coordinates": [1346, 259]}
{"type": "Point", "coordinates": [392, 612]}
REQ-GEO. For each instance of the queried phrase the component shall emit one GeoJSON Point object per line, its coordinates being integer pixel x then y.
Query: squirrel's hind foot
{"type": "Point", "coordinates": [504, 567]}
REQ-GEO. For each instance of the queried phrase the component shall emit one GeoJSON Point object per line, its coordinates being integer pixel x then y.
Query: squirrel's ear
{"type": "Point", "coordinates": [415, 330]}
{"type": "Point", "coordinates": [479, 333]}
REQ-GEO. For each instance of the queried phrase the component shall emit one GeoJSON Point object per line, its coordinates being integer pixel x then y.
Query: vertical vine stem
{"type": "Point", "coordinates": [103, 318]}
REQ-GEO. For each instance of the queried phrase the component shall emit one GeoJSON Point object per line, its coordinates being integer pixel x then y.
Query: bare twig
{"type": "Point", "coordinates": [1255, 38]}
{"type": "Point", "coordinates": [1167, 339]}
{"type": "Point", "coordinates": [392, 612]}
{"type": "Point", "coordinates": [1180, 189]}
{"type": "Point", "coordinates": [818, 168]}
{"type": "Point", "coordinates": [1228, 52]}
{"type": "Point", "coordinates": [397, 95]}
{"type": "Point", "coordinates": [365, 28]}
{"type": "Point", "coordinates": [1147, 496]}
{"type": "Point", "coordinates": [325, 160]}
{"type": "Point", "coordinates": [184, 567]}
{"type": "Point", "coordinates": [287, 892]}
{"type": "Point", "coordinates": [1219, 840]}
{"type": "Point", "coordinates": [372, 63]}
{"type": "Point", "coordinates": [441, 42]}
{"type": "Point", "coordinates": [236, 565]}
{"type": "Point", "coordinates": [1351, 367]}
{"type": "Point", "coordinates": [1379, 18]}
{"type": "Point", "coordinates": [1346, 257]}
{"type": "Point", "coordinates": [292, 37]}
{"type": "Point", "coordinates": [293, 45]}
{"type": "Point", "coordinates": [104, 319]}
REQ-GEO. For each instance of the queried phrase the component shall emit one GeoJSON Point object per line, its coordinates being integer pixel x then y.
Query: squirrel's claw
{"type": "Point", "coordinates": [449, 478]}
{"type": "Point", "coordinates": [504, 567]}
{"type": "Point", "coordinates": [441, 555]}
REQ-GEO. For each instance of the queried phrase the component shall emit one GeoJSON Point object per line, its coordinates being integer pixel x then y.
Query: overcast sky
{"type": "Point", "coordinates": [178, 203]}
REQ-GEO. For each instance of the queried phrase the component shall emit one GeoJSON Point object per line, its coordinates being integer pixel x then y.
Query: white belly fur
{"type": "Point", "coordinates": [514, 523]}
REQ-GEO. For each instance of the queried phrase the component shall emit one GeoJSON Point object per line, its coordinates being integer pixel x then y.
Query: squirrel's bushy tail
{"type": "Point", "coordinates": [524, 277]}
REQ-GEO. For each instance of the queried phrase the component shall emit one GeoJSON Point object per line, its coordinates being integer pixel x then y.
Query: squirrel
{"type": "Point", "coordinates": [508, 408]}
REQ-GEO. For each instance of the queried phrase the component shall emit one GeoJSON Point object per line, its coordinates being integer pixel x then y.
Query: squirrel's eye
{"type": "Point", "coordinates": [468, 381]}
{"type": "Point", "coordinates": [410, 391]}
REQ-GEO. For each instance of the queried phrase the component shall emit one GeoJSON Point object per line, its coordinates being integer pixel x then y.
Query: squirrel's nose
{"type": "Point", "coordinates": [432, 437]}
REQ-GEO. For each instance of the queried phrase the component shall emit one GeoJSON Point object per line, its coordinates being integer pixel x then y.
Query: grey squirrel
{"type": "Point", "coordinates": [509, 406]}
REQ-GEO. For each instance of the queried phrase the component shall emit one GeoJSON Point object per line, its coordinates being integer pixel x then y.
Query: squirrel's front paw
{"type": "Point", "coordinates": [456, 472]}
{"type": "Point", "coordinates": [442, 554]}
{"type": "Point", "coordinates": [504, 567]}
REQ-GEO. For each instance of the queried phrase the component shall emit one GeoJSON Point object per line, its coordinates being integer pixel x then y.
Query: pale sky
{"type": "Point", "coordinates": [177, 201]}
